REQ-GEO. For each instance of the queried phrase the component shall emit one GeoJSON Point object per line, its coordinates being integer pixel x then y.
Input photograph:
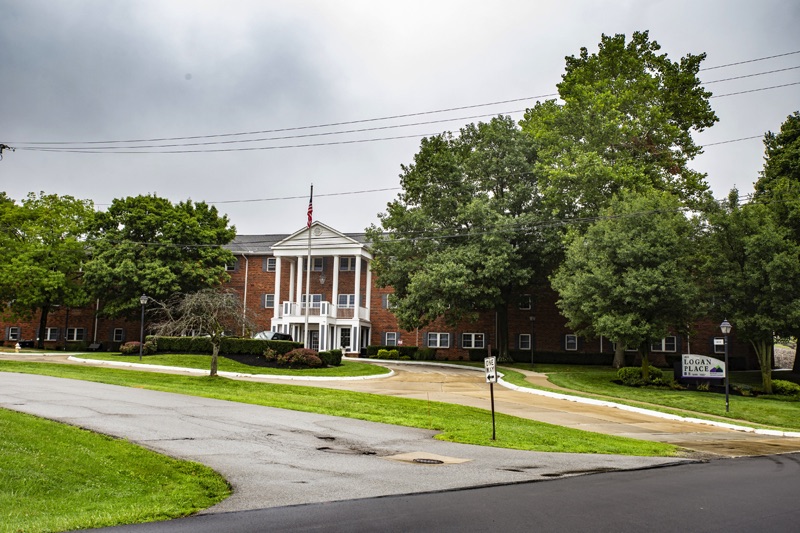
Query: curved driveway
{"type": "Point", "coordinates": [465, 386]}
{"type": "Point", "coordinates": [275, 457]}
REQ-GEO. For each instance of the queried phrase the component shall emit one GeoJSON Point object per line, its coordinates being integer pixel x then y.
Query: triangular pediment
{"type": "Point", "coordinates": [324, 241]}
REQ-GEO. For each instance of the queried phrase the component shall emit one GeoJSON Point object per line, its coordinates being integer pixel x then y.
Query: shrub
{"type": "Point", "coordinates": [477, 355]}
{"type": "Point", "coordinates": [425, 354]}
{"type": "Point", "coordinates": [373, 349]}
{"type": "Point", "coordinates": [785, 388]}
{"type": "Point", "coordinates": [132, 348]}
{"type": "Point", "coordinates": [632, 376]}
{"type": "Point", "coordinates": [300, 358]}
{"type": "Point", "coordinates": [229, 345]}
{"type": "Point", "coordinates": [331, 358]}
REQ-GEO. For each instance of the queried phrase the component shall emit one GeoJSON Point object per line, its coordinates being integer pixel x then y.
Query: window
{"type": "Point", "coordinates": [269, 264]}
{"type": "Point", "coordinates": [719, 345]}
{"type": "Point", "coordinates": [524, 342]}
{"type": "Point", "coordinates": [13, 333]}
{"type": "Point", "coordinates": [391, 338]}
{"type": "Point", "coordinates": [386, 301]}
{"type": "Point", "coordinates": [316, 300]}
{"type": "Point", "coordinates": [347, 263]}
{"type": "Point", "coordinates": [232, 267]}
{"type": "Point", "coordinates": [51, 334]}
{"type": "Point", "coordinates": [347, 301]}
{"type": "Point", "coordinates": [571, 342]}
{"type": "Point", "coordinates": [472, 340]}
{"type": "Point", "coordinates": [75, 334]}
{"type": "Point", "coordinates": [438, 340]}
{"type": "Point", "coordinates": [119, 335]}
{"type": "Point", "coordinates": [667, 344]}
{"type": "Point", "coordinates": [269, 300]}
{"type": "Point", "coordinates": [317, 263]}
{"type": "Point", "coordinates": [525, 301]}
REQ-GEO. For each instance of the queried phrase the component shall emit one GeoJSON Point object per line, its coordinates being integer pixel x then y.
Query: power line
{"type": "Point", "coordinates": [756, 90]}
{"type": "Point", "coordinates": [751, 75]}
{"type": "Point", "coordinates": [376, 119]}
{"type": "Point", "coordinates": [750, 61]}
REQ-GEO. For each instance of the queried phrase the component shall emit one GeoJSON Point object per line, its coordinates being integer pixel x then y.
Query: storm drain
{"type": "Point", "coordinates": [424, 461]}
{"type": "Point", "coordinates": [424, 458]}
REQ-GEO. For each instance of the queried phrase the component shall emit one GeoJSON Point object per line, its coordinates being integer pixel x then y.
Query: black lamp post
{"type": "Point", "coordinates": [725, 327]}
{"type": "Point", "coordinates": [142, 300]}
{"type": "Point", "coordinates": [533, 322]}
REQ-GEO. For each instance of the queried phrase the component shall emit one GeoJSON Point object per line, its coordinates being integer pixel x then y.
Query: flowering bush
{"type": "Point", "coordinates": [132, 348]}
{"type": "Point", "coordinates": [297, 358]}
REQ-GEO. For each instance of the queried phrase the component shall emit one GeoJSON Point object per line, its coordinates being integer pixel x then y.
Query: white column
{"type": "Point", "coordinates": [277, 290]}
{"type": "Point", "coordinates": [292, 268]}
{"type": "Point", "coordinates": [369, 286]}
{"type": "Point", "coordinates": [335, 295]}
{"type": "Point", "coordinates": [358, 285]}
{"type": "Point", "coordinates": [300, 291]}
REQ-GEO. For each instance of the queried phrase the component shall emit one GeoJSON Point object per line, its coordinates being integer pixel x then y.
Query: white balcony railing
{"type": "Point", "coordinates": [323, 309]}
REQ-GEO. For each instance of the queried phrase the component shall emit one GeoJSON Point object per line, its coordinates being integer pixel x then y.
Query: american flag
{"type": "Point", "coordinates": [310, 206]}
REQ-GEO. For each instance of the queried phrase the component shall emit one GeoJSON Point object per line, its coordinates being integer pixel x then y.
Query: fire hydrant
{"type": "Point", "coordinates": [17, 347]}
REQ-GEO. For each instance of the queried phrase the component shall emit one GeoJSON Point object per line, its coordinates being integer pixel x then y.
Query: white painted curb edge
{"type": "Point", "coordinates": [230, 374]}
{"type": "Point", "coordinates": [602, 403]}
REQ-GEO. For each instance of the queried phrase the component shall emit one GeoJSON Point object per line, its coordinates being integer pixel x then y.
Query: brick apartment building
{"type": "Point", "coordinates": [346, 308]}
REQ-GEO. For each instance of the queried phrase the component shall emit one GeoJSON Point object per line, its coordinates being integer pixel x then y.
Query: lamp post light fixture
{"type": "Point", "coordinates": [142, 300]}
{"type": "Point", "coordinates": [726, 327]}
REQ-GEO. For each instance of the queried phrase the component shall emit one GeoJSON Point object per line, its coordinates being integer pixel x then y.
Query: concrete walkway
{"type": "Point", "coordinates": [465, 386]}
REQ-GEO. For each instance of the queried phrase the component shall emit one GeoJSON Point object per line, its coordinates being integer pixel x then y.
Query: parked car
{"type": "Point", "coordinates": [272, 336]}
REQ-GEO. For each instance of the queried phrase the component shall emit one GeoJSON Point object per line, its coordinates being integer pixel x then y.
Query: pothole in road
{"type": "Point", "coordinates": [345, 451]}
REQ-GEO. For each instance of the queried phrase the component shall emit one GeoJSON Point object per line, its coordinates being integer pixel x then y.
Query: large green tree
{"type": "Point", "coordinates": [43, 242]}
{"type": "Point", "coordinates": [466, 233]}
{"type": "Point", "coordinates": [629, 277]}
{"type": "Point", "coordinates": [779, 183]}
{"type": "Point", "coordinates": [147, 245]}
{"type": "Point", "coordinates": [753, 265]}
{"type": "Point", "coordinates": [625, 122]}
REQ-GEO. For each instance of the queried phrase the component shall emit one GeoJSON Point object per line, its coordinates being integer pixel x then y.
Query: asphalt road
{"type": "Point", "coordinates": [723, 495]}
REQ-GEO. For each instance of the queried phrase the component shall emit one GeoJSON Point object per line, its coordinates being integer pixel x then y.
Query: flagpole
{"type": "Point", "coordinates": [308, 266]}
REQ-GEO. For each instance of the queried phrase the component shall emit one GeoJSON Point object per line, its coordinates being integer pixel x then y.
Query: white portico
{"type": "Point", "coordinates": [337, 313]}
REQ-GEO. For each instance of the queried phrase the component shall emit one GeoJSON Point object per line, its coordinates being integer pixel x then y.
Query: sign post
{"type": "Point", "coordinates": [490, 364]}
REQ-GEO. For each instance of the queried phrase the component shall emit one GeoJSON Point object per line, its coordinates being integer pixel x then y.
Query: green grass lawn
{"type": "Point", "coordinates": [55, 477]}
{"type": "Point", "coordinates": [455, 423]}
{"type": "Point", "coordinates": [767, 411]}
{"type": "Point", "coordinates": [202, 361]}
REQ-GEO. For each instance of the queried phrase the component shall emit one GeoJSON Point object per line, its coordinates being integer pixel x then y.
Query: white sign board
{"type": "Point", "coordinates": [701, 366]}
{"type": "Point", "coordinates": [719, 342]}
{"type": "Point", "coordinates": [490, 363]}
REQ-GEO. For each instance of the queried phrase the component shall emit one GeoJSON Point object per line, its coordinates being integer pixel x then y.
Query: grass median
{"type": "Point", "coordinates": [227, 364]}
{"type": "Point", "coordinates": [454, 423]}
{"type": "Point", "coordinates": [772, 412]}
{"type": "Point", "coordinates": [55, 477]}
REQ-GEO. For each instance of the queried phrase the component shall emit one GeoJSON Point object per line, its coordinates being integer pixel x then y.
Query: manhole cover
{"type": "Point", "coordinates": [428, 461]}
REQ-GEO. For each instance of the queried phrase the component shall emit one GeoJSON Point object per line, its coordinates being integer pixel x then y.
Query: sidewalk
{"type": "Point", "coordinates": [465, 386]}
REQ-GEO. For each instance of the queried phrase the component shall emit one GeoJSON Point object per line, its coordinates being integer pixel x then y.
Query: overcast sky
{"type": "Point", "coordinates": [82, 70]}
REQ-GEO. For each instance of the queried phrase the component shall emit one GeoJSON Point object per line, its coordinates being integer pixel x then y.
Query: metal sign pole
{"type": "Point", "coordinates": [490, 364]}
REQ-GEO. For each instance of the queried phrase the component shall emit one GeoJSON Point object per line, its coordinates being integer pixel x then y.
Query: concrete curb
{"type": "Point", "coordinates": [230, 374]}
{"type": "Point", "coordinates": [602, 403]}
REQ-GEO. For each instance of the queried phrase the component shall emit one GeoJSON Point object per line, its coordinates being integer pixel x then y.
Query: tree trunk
{"type": "Point", "coordinates": [502, 334]}
{"type": "Point", "coordinates": [43, 326]}
{"type": "Point", "coordinates": [214, 354]}
{"type": "Point", "coordinates": [796, 365]}
{"type": "Point", "coordinates": [645, 351]}
{"type": "Point", "coordinates": [764, 356]}
{"type": "Point", "coordinates": [619, 355]}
